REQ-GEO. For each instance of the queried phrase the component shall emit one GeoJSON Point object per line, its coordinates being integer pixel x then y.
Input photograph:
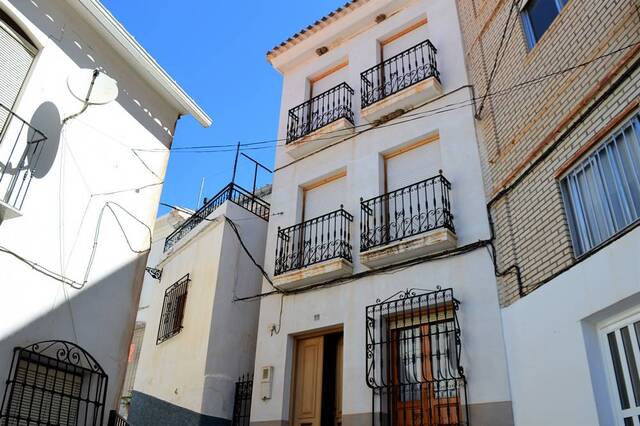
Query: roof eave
{"type": "Point", "coordinates": [117, 36]}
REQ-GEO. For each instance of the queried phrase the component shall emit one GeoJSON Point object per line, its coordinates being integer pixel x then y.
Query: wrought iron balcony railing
{"type": "Point", "coordinates": [320, 111]}
{"type": "Point", "coordinates": [20, 148]}
{"type": "Point", "coordinates": [313, 241]}
{"type": "Point", "coordinates": [232, 192]}
{"type": "Point", "coordinates": [405, 69]}
{"type": "Point", "coordinates": [405, 212]}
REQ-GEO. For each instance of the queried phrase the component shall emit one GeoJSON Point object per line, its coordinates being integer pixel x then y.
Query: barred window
{"type": "Point", "coordinates": [602, 193]}
{"type": "Point", "coordinates": [54, 383]}
{"type": "Point", "coordinates": [175, 299]}
{"type": "Point", "coordinates": [413, 360]}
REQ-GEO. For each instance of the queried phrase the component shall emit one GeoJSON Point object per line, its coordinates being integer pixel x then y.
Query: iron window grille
{"type": "Point", "coordinates": [602, 193]}
{"type": "Point", "coordinates": [54, 383]}
{"type": "Point", "coordinates": [313, 241]}
{"type": "Point", "coordinates": [320, 111]}
{"type": "Point", "coordinates": [116, 419]}
{"type": "Point", "coordinates": [405, 212]}
{"type": "Point", "coordinates": [232, 192]}
{"type": "Point", "coordinates": [413, 365]}
{"type": "Point", "coordinates": [242, 401]}
{"type": "Point", "coordinates": [403, 70]}
{"type": "Point", "coordinates": [20, 149]}
{"type": "Point", "coordinates": [175, 300]}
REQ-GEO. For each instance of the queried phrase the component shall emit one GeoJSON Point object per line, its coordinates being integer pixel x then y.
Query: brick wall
{"type": "Point", "coordinates": [552, 117]}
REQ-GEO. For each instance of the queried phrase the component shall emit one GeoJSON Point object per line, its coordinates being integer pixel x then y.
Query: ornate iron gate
{"type": "Point", "coordinates": [54, 383]}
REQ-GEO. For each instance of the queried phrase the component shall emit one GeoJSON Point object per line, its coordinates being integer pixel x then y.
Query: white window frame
{"type": "Point", "coordinates": [526, 20]}
{"type": "Point", "coordinates": [615, 325]}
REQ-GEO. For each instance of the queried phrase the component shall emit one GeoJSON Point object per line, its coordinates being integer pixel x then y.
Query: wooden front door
{"type": "Point", "coordinates": [307, 401]}
{"type": "Point", "coordinates": [424, 391]}
{"type": "Point", "coordinates": [317, 398]}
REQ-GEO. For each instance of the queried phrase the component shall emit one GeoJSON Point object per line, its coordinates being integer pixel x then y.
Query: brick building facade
{"type": "Point", "coordinates": [546, 105]}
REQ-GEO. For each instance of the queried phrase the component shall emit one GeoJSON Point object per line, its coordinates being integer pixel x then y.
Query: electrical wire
{"type": "Point", "coordinates": [219, 148]}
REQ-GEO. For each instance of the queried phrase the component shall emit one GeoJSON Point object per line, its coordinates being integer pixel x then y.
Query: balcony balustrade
{"type": "Point", "coordinates": [404, 214]}
{"type": "Point", "coordinates": [20, 148]}
{"type": "Point", "coordinates": [313, 242]}
{"type": "Point", "coordinates": [320, 111]}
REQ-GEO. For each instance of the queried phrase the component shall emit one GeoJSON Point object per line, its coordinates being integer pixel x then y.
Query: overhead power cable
{"type": "Point", "coordinates": [257, 145]}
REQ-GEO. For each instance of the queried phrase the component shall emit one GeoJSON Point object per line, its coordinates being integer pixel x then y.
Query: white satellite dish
{"type": "Point", "coordinates": [98, 89]}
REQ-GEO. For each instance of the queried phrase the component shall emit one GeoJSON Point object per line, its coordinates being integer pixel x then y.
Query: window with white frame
{"type": "Point", "coordinates": [621, 347]}
{"type": "Point", "coordinates": [602, 193]}
{"type": "Point", "coordinates": [537, 16]}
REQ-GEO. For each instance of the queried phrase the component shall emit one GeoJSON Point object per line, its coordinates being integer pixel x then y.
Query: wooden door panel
{"type": "Point", "coordinates": [308, 382]}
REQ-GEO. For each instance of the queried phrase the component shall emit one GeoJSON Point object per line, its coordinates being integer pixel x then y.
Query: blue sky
{"type": "Point", "coordinates": [216, 51]}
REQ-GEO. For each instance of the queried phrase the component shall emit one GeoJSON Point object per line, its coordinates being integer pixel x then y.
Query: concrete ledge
{"type": "Point", "coordinates": [8, 212]}
{"type": "Point", "coordinates": [419, 245]}
{"type": "Point", "coordinates": [403, 100]}
{"type": "Point", "coordinates": [320, 138]}
{"type": "Point", "coordinates": [314, 274]}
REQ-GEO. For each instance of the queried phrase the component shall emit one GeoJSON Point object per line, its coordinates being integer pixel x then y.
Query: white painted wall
{"type": "Point", "coordinates": [164, 225]}
{"type": "Point", "coordinates": [555, 362]}
{"type": "Point", "coordinates": [471, 276]}
{"type": "Point", "coordinates": [197, 369]}
{"type": "Point", "coordinates": [88, 164]}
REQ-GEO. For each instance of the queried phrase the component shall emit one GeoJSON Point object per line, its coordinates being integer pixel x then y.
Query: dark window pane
{"type": "Point", "coordinates": [631, 362]}
{"type": "Point", "coordinates": [628, 421]}
{"type": "Point", "coordinates": [617, 368]}
{"type": "Point", "coordinates": [541, 14]}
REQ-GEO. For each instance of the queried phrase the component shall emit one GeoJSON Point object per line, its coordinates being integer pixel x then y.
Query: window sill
{"type": "Point", "coordinates": [403, 100]}
{"type": "Point", "coordinates": [320, 138]}
{"type": "Point", "coordinates": [419, 245]}
{"type": "Point", "coordinates": [314, 274]}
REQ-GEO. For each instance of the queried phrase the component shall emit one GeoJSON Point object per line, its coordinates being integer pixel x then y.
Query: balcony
{"type": "Point", "coordinates": [400, 82]}
{"type": "Point", "coordinates": [20, 148]}
{"type": "Point", "coordinates": [410, 222]}
{"type": "Point", "coordinates": [232, 192]}
{"type": "Point", "coordinates": [320, 121]}
{"type": "Point", "coordinates": [314, 251]}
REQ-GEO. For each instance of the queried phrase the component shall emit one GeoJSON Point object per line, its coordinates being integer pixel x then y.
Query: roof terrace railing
{"type": "Point", "coordinates": [232, 192]}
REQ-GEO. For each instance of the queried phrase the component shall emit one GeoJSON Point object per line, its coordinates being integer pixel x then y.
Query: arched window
{"type": "Point", "coordinates": [17, 52]}
{"type": "Point", "coordinates": [54, 383]}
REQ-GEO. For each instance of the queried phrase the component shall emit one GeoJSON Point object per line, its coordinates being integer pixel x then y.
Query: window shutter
{"type": "Point", "coordinates": [16, 57]}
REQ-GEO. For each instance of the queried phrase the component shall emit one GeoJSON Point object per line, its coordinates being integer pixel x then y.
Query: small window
{"type": "Point", "coordinates": [175, 299]}
{"type": "Point", "coordinates": [621, 343]}
{"type": "Point", "coordinates": [537, 16]}
{"type": "Point", "coordinates": [54, 383]}
{"type": "Point", "coordinates": [602, 193]}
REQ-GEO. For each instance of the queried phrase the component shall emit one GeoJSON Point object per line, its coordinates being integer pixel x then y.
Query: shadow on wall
{"type": "Point", "coordinates": [47, 120]}
{"type": "Point", "coordinates": [47, 16]}
{"type": "Point", "coordinates": [100, 319]}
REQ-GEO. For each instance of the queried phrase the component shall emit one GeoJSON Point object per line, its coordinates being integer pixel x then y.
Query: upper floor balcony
{"type": "Point", "coordinates": [400, 82]}
{"type": "Point", "coordinates": [21, 146]}
{"type": "Point", "coordinates": [320, 120]}
{"type": "Point", "coordinates": [409, 222]}
{"type": "Point", "coordinates": [315, 250]}
{"type": "Point", "coordinates": [232, 192]}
